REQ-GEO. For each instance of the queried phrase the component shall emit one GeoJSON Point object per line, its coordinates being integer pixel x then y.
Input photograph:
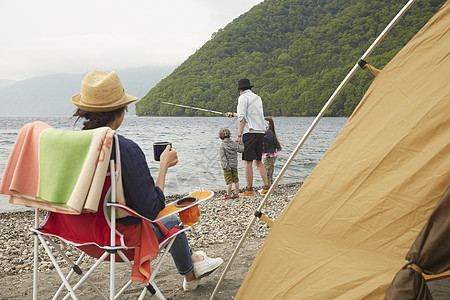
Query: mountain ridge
{"type": "Point", "coordinates": [294, 52]}
{"type": "Point", "coordinates": [50, 94]}
{"type": "Point", "coordinates": [6, 82]}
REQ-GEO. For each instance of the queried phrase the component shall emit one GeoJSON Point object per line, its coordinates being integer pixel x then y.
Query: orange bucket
{"type": "Point", "coordinates": [191, 215]}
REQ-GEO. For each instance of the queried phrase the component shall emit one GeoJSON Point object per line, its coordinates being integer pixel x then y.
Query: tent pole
{"type": "Point", "coordinates": [306, 135]}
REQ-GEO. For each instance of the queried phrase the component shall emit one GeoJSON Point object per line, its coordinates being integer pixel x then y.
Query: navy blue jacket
{"type": "Point", "coordinates": [139, 188]}
{"type": "Point", "coordinates": [269, 142]}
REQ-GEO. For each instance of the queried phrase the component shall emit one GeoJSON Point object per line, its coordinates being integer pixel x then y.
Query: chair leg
{"type": "Point", "coordinates": [88, 273]}
{"type": "Point", "coordinates": [70, 273]}
{"type": "Point", "coordinates": [35, 268]}
{"type": "Point", "coordinates": [127, 261]}
{"type": "Point", "coordinates": [74, 268]}
{"type": "Point", "coordinates": [36, 255]}
{"type": "Point", "coordinates": [151, 286]}
{"type": "Point", "coordinates": [58, 269]}
{"type": "Point", "coordinates": [153, 289]}
{"type": "Point", "coordinates": [123, 289]}
{"type": "Point", "coordinates": [112, 273]}
{"type": "Point", "coordinates": [161, 260]}
{"type": "Point", "coordinates": [158, 293]}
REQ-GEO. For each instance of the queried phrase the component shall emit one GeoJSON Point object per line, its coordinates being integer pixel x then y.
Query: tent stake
{"type": "Point", "coordinates": [306, 135]}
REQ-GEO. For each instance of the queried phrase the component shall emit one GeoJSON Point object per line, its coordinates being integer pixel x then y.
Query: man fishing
{"type": "Point", "coordinates": [251, 129]}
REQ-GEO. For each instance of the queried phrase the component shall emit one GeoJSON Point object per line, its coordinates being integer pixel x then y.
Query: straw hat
{"type": "Point", "coordinates": [101, 92]}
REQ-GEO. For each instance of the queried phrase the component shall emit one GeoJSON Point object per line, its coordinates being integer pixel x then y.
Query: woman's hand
{"type": "Point", "coordinates": [229, 114]}
{"type": "Point", "coordinates": [169, 157]}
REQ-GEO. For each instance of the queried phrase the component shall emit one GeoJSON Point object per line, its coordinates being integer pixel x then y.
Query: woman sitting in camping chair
{"type": "Point", "coordinates": [103, 102]}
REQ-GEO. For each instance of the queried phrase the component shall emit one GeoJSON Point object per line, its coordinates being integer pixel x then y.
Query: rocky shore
{"type": "Point", "coordinates": [220, 222]}
{"type": "Point", "coordinates": [221, 225]}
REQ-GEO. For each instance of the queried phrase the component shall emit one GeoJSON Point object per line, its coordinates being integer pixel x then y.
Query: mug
{"type": "Point", "coordinates": [159, 148]}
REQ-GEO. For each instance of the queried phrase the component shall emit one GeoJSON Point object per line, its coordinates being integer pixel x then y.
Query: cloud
{"type": "Point", "coordinates": [52, 36]}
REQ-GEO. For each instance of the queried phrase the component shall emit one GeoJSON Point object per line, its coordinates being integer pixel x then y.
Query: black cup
{"type": "Point", "coordinates": [158, 148]}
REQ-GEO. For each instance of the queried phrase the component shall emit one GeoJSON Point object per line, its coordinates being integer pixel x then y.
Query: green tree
{"type": "Point", "coordinates": [295, 52]}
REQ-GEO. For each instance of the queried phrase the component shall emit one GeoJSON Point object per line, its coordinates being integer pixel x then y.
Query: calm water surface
{"type": "Point", "coordinates": [197, 143]}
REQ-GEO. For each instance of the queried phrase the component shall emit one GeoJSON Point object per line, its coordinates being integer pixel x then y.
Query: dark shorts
{"type": "Point", "coordinates": [231, 175]}
{"type": "Point", "coordinates": [253, 146]}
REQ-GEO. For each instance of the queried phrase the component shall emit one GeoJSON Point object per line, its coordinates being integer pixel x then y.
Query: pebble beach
{"type": "Point", "coordinates": [221, 225]}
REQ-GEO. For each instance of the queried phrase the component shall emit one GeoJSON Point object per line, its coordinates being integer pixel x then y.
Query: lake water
{"type": "Point", "coordinates": [197, 143]}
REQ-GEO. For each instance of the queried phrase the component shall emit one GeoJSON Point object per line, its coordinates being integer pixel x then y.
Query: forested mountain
{"type": "Point", "coordinates": [295, 53]}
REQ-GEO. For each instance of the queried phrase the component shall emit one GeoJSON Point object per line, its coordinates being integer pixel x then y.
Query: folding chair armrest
{"type": "Point", "coordinates": [170, 208]}
{"type": "Point", "coordinates": [173, 208]}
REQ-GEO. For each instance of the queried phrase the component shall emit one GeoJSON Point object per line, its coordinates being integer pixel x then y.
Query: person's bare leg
{"type": "Point", "coordinates": [195, 258]}
{"type": "Point", "coordinates": [262, 171]}
{"type": "Point", "coordinates": [229, 189]}
{"type": "Point", "coordinates": [189, 276]}
{"type": "Point", "coordinates": [249, 173]}
{"type": "Point", "coordinates": [236, 188]}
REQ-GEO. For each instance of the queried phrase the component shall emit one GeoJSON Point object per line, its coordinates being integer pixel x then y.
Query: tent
{"type": "Point", "coordinates": [429, 254]}
{"type": "Point", "coordinates": [346, 232]}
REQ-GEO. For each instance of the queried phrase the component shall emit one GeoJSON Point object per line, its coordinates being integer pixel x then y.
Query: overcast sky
{"type": "Point", "coordinates": [67, 36]}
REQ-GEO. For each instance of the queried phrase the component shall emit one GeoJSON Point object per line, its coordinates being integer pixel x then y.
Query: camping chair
{"type": "Point", "coordinates": [94, 233]}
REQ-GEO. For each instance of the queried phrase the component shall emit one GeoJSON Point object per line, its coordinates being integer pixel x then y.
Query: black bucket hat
{"type": "Point", "coordinates": [244, 84]}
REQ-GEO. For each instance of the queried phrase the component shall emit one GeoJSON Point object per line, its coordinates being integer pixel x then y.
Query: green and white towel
{"type": "Point", "coordinates": [73, 166]}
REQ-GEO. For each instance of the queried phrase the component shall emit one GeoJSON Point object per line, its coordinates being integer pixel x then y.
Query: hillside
{"type": "Point", "coordinates": [50, 95]}
{"type": "Point", "coordinates": [295, 53]}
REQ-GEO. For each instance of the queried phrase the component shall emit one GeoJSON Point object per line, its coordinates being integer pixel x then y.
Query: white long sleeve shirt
{"type": "Point", "coordinates": [250, 107]}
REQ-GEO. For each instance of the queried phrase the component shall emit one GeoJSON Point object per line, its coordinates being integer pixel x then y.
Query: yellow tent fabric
{"type": "Point", "coordinates": [346, 232]}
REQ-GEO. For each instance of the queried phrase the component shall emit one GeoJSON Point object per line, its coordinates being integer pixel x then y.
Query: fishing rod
{"type": "Point", "coordinates": [208, 110]}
